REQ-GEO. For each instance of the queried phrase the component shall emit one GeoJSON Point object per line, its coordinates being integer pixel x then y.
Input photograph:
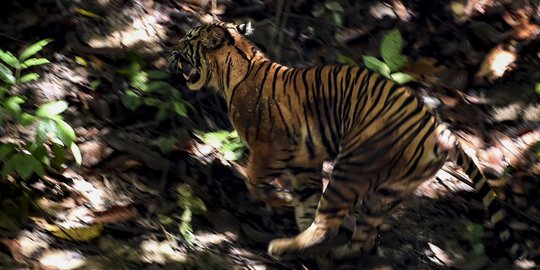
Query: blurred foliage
{"type": "Point", "coordinates": [393, 59]}
{"type": "Point", "coordinates": [150, 88]}
{"type": "Point", "coordinates": [228, 143]}
{"type": "Point", "coordinates": [192, 205]}
{"type": "Point", "coordinates": [53, 135]}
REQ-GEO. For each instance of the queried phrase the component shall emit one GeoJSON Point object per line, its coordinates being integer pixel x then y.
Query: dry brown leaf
{"type": "Point", "coordinates": [14, 248]}
{"type": "Point", "coordinates": [521, 24]}
{"type": "Point", "coordinates": [116, 214]}
{"type": "Point", "coordinates": [425, 70]}
{"type": "Point", "coordinates": [496, 63]}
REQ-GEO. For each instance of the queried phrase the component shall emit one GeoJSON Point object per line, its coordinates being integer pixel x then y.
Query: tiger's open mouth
{"type": "Point", "coordinates": [190, 73]}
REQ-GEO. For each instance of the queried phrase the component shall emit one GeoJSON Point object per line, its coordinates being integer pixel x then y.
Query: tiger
{"type": "Point", "coordinates": [382, 139]}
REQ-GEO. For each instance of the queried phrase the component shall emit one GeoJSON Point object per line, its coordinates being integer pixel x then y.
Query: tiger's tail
{"type": "Point", "coordinates": [499, 217]}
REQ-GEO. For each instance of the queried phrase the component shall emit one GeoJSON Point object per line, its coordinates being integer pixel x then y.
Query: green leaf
{"type": "Point", "coordinates": [94, 84]}
{"type": "Point", "coordinates": [5, 150]}
{"type": "Point", "coordinates": [185, 228]}
{"type": "Point", "coordinates": [50, 109]}
{"type": "Point", "coordinates": [13, 106]}
{"type": "Point", "coordinates": [28, 77]}
{"type": "Point", "coordinates": [27, 165]}
{"type": "Point", "coordinates": [131, 100]}
{"type": "Point", "coordinates": [346, 60]}
{"type": "Point", "coordinates": [40, 153]}
{"type": "Point", "coordinates": [9, 166]}
{"type": "Point", "coordinates": [9, 58]}
{"type": "Point", "coordinates": [34, 62]}
{"type": "Point", "coordinates": [34, 48]}
{"type": "Point", "coordinates": [166, 144]}
{"type": "Point", "coordinates": [333, 6]}
{"type": "Point", "coordinates": [59, 154]}
{"type": "Point", "coordinates": [391, 47]}
{"type": "Point", "coordinates": [163, 112]}
{"type": "Point", "coordinates": [65, 133]}
{"type": "Point", "coordinates": [76, 153]}
{"type": "Point", "coordinates": [139, 80]}
{"type": "Point", "coordinates": [401, 77]}
{"type": "Point", "coordinates": [154, 102]}
{"type": "Point", "coordinates": [372, 63]}
{"type": "Point", "coordinates": [537, 88]}
{"type": "Point", "coordinates": [157, 85]}
{"type": "Point", "coordinates": [215, 139]}
{"type": "Point", "coordinates": [157, 74]}
{"type": "Point", "coordinates": [27, 119]}
{"type": "Point", "coordinates": [180, 108]}
{"type": "Point", "coordinates": [46, 129]}
{"type": "Point", "coordinates": [6, 74]}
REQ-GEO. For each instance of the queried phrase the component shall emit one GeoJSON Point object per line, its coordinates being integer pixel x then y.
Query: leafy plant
{"type": "Point", "coordinates": [149, 88]}
{"type": "Point", "coordinates": [474, 233]}
{"type": "Point", "coordinates": [52, 133]}
{"type": "Point", "coordinates": [192, 205]}
{"type": "Point", "coordinates": [393, 59]}
{"type": "Point", "coordinates": [228, 143]}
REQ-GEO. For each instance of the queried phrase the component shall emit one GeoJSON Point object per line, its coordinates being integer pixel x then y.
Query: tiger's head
{"type": "Point", "coordinates": [206, 54]}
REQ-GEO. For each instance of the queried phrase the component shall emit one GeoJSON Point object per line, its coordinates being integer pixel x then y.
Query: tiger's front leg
{"type": "Point", "coordinates": [264, 173]}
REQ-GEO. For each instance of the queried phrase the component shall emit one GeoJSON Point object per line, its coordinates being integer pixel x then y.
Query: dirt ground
{"type": "Point", "coordinates": [138, 193]}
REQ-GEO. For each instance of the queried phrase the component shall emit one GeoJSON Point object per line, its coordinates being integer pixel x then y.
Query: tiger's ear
{"type": "Point", "coordinates": [214, 38]}
{"type": "Point", "coordinates": [245, 29]}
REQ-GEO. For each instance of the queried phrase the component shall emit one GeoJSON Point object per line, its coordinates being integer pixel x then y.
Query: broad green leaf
{"type": "Point", "coordinates": [59, 154]}
{"type": "Point", "coordinates": [166, 144]}
{"type": "Point", "coordinates": [34, 62]}
{"type": "Point", "coordinates": [157, 85]}
{"type": "Point", "coordinates": [46, 129]}
{"type": "Point", "coordinates": [139, 80]}
{"type": "Point", "coordinates": [537, 88]}
{"type": "Point", "coordinates": [372, 63]}
{"type": "Point", "coordinates": [76, 153]}
{"type": "Point", "coordinates": [157, 74]}
{"type": "Point", "coordinates": [12, 105]}
{"type": "Point", "coordinates": [9, 58]}
{"type": "Point", "coordinates": [333, 6]}
{"type": "Point", "coordinates": [6, 74]}
{"type": "Point", "coordinates": [40, 153]}
{"type": "Point", "coordinates": [34, 48]}
{"type": "Point", "coordinates": [180, 108]}
{"type": "Point", "coordinates": [27, 165]}
{"type": "Point", "coordinates": [163, 112]}
{"type": "Point", "coordinates": [5, 150]}
{"type": "Point", "coordinates": [346, 60]}
{"type": "Point", "coordinates": [215, 139]}
{"type": "Point", "coordinates": [9, 166]}
{"type": "Point", "coordinates": [52, 108]}
{"type": "Point", "coordinates": [131, 100]}
{"type": "Point", "coordinates": [94, 84]}
{"type": "Point", "coordinates": [65, 133]}
{"type": "Point", "coordinates": [28, 77]}
{"type": "Point", "coordinates": [154, 102]}
{"type": "Point", "coordinates": [401, 77]}
{"type": "Point", "coordinates": [391, 47]}
{"type": "Point", "coordinates": [27, 119]}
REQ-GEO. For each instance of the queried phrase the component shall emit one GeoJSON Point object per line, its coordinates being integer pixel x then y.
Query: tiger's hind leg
{"type": "Point", "coordinates": [336, 202]}
{"type": "Point", "coordinates": [307, 187]}
{"type": "Point", "coordinates": [369, 215]}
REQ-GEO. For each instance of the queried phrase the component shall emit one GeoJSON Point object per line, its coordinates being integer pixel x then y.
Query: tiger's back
{"type": "Point", "coordinates": [383, 140]}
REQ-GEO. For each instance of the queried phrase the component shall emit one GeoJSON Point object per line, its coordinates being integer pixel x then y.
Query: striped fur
{"type": "Point", "coordinates": [383, 140]}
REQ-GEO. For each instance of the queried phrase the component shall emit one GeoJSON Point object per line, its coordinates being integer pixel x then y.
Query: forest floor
{"type": "Point", "coordinates": [154, 192]}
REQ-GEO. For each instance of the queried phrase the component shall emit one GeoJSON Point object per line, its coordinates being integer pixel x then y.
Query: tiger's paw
{"type": "Point", "coordinates": [308, 243]}
{"type": "Point", "coordinates": [283, 248]}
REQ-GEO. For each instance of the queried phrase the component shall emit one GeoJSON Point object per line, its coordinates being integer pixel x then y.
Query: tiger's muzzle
{"type": "Point", "coordinates": [179, 63]}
